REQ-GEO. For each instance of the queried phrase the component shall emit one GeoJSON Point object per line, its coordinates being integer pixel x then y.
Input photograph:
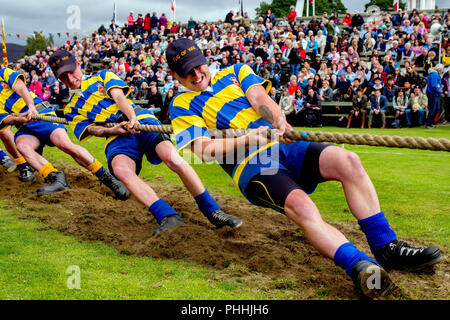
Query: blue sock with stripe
{"type": "Point", "coordinates": [377, 231]}
{"type": "Point", "coordinates": [2, 154]}
{"type": "Point", "coordinates": [99, 172]}
{"type": "Point", "coordinates": [161, 209]}
{"type": "Point", "coordinates": [206, 203]}
{"type": "Point", "coordinates": [347, 255]}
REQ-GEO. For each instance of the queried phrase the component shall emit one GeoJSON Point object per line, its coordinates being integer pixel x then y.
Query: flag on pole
{"type": "Point", "coordinates": [299, 8]}
{"type": "Point", "coordinates": [114, 11]}
{"type": "Point", "coordinates": [396, 6]}
{"type": "Point", "coordinates": [172, 8]}
{"type": "Point", "coordinates": [241, 7]}
{"type": "Point", "coordinates": [5, 56]}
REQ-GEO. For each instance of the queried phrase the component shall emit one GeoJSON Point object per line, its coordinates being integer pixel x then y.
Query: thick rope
{"type": "Point", "coordinates": [316, 136]}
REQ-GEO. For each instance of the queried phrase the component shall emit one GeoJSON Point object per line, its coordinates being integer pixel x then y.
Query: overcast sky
{"type": "Point", "coordinates": [51, 16]}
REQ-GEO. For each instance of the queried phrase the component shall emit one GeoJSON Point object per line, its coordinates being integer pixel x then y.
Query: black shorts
{"type": "Point", "coordinates": [271, 191]}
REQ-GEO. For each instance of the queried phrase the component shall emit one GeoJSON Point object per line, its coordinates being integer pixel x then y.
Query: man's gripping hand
{"type": "Point", "coordinates": [31, 112]}
{"type": "Point", "coordinates": [282, 125]}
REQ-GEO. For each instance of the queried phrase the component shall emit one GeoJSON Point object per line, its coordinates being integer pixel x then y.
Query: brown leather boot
{"type": "Point", "coordinates": [363, 120]}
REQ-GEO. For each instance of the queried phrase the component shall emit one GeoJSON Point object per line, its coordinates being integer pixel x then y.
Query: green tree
{"type": "Point", "coordinates": [385, 5]}
{"type": "Point", "coordinates": [37, 42]}
{"type": "Point", "coordinates": [281, 8]}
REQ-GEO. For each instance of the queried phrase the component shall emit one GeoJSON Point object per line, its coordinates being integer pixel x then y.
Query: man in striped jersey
{"type": "Point", "coordinates": [32, 136]}
{"type": "Point", "coordinates": [102, 98]}
{"type": "Point", "coordinates": [280, 176]}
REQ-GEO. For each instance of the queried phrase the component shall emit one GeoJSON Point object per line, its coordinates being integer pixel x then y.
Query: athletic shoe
{"type": "Point", "coordinates": [371, 279]}
{"type": "Point", "coordinates": [221, 219]}
{"type": "Point", "coordinates": [430, 127]}
{"type": "Point", "coordinates": [8, 164]}
{"type": "Point", "coordinates": [169, 223]}
{"type": "Point", "coordinates": [114, 184]}
{"type": "Point", "coordinates": [26, 174]}
{"type": "Point", "coordinates": [57, 182]}
{"type": "Point", "coordinates": [401, 256]}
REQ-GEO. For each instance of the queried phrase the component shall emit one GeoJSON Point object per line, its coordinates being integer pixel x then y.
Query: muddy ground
{"type": "Point", "coordinates": [267, 253]}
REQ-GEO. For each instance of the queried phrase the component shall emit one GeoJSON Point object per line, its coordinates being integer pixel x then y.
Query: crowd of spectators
{"type": "Point", "coordinates": [380, 67]}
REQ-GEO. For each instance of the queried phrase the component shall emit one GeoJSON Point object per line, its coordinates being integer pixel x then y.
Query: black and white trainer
{"type": "Point", "coordinates": [372, 280]}
{"type": "Point", "coordinates": [402, 256]}
{"type": "Point", "coordinates": [26, 174]}
{"type": "Point", "coordinates": [8, 164]}
{"type": "Point", "coordinates": [221, 219]}
{"type": "Point", "coordinates": [169, 222]}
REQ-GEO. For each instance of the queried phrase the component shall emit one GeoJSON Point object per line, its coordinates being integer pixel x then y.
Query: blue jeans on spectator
{"type": "Point", "coordinates": [294, 69]}
{"type": "Point", "coordinates": [421, 115]}
{"type": "Point", "coordinates": [433, 108]}
{"type": "Point", "coordinates": [276, 80]}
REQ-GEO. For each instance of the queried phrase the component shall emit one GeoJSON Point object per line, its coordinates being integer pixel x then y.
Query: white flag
{"type": "Point", "coordinates": [299, 7]}
{"type": "Point", "coordinates": [396, 6]}
{"type": "Point", "coordinates": [172, 8]}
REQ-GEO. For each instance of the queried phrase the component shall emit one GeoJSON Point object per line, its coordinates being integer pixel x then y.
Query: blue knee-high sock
{"type": "Point", "coordinates": [161, 209]}
{"type": "Point", "coordinates": [377, 231]}
{"type": "Point", "coordinates": [99, 172]}
{"type": "Point", "coordinates": [206, 203]}
{"type": "Point", "coordinates": [347, 255]}
{"type": "Point", "coordinates": [2, 154]}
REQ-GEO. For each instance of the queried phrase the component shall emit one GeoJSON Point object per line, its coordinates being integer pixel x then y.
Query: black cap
{"type": "Point", "coordinates": [183, 55]}
{"type": "Point", "coordinates": [62, 61]}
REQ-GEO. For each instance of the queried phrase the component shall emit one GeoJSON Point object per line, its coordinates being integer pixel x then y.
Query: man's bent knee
{"type": "Point", "coordinates": [300, 208]}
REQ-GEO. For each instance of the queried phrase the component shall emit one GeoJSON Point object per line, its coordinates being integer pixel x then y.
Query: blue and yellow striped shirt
{"type": "Point", "coordinates": [11, 101]}
{"type": "Point", "coordinates": [92, 103]}
{"type": "Point", "coordinates": [224, 105]}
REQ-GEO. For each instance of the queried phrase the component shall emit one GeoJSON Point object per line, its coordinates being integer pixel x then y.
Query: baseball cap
{"type": "Point", "coordinates": [183, 55]}
{"type": "Point", "coordinates": [62, 61]}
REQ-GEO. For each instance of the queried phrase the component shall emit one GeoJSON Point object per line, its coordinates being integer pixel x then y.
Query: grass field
{"type": "Point", "coordinates": [413, 188]}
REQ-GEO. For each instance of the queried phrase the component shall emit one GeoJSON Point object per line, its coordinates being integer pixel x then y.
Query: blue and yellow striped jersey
{"type": "Point", "coordinates": [224, 105]}
{"type": "Point", "coordinates": [92, 103]}
{"type": "Point", "coordinates": [10, 101]}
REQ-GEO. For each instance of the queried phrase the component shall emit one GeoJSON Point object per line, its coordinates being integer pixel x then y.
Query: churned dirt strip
{"type": "Point", "coordinates": [268, 252]}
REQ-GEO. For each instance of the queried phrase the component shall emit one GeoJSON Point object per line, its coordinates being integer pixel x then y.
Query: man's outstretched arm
{"type": "Point", "coordinates": [21, 89]}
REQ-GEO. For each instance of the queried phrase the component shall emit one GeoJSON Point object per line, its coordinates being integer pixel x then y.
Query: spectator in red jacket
{"type": "Point", "coordinates": [147, 25]}
{"type": "Point", "coordinates": [139, 24]}
{"type": "Point", "coordinates": [174, 28]}
{"type": "Point", "coordinates": [292, 15]}
{"type": "Point", "coordinates": [347, 19]}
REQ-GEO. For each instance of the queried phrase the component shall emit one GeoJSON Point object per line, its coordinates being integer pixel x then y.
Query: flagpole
{"type": "Point", "coordinates": [314, 7]}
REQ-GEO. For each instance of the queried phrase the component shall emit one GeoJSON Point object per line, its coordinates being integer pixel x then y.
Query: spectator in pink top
{"type": "Point", "coordinates": [46, 94]}
{"type": "Point", "coordinates": [130, 20]}
{"type": "Point", "coordinates": [163, 21]}
{"type": "Point", "coordinates": [36, 86]}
